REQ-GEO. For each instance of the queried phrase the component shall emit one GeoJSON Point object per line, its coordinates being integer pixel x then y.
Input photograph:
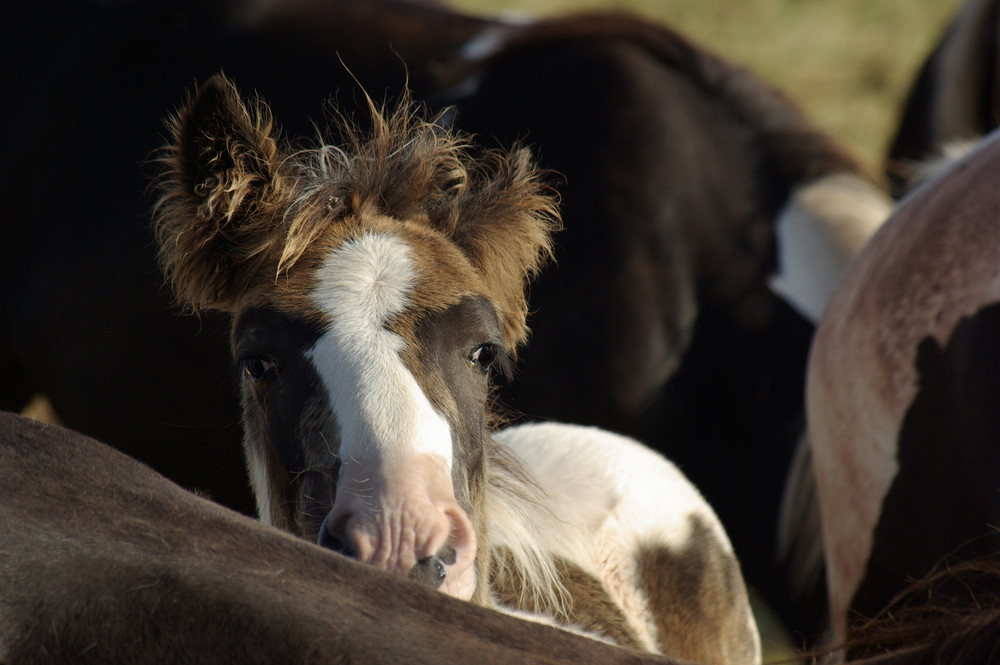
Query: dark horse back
{"type": "Point", "coordinates": [96, 567]}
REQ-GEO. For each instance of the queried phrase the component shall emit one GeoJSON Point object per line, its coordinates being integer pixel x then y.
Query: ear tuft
{"type": "Point", "coordinates": [219, 188]}
{"type": "Point", "coordinates": [505, 222]}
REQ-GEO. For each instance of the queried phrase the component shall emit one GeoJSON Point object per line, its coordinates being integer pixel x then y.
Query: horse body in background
{"type": "Point", "coordinates": [902, 394]}
{"type": "Point", "coordinates": [658, 323]}
{"type": "Point", "coordinates": [661, 321]}
{"type": "Point", "coordinates": [374, 287]}
{"type": "Point", "coordinates": [102, 560]}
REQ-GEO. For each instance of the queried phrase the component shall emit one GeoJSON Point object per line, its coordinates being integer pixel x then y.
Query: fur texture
{"type": "Point", "coordinates": [245, 221]}
{"type": "Point", "coordinates": [223, 239]}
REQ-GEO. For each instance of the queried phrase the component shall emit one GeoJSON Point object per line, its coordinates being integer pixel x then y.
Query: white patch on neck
{"type": "Point", "coordinates": [377, 401]}
{"type": "Point", "coordinates": [823, 226]}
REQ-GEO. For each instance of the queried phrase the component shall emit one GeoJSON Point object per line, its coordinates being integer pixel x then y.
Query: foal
{"type": "Point", "coordinates": [374, 287]}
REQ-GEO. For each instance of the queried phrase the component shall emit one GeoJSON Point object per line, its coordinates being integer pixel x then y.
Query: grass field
{"type": "Point", "coordinates": [849, 63]}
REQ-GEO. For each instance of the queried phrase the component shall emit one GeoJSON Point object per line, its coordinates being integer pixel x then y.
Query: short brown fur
{"type": "Point", "coordinates": [140, 571]}
{"type": "Point", "coordinates": [694, 621]}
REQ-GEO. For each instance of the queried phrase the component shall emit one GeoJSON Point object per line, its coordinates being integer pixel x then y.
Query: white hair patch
{"type": "Point", "coordinates": [378, 403]}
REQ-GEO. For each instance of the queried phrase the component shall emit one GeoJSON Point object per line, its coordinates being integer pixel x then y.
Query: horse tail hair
{"type": "Point", "coordinates": [799, 546]}
{"type": "Point", "coordinates": [948, 617]}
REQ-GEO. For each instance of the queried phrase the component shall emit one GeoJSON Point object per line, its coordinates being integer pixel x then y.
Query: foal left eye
{"type": "Point", "coordinates": [483, 357]}
{"type": "Point", "coordinates": [257, 369]}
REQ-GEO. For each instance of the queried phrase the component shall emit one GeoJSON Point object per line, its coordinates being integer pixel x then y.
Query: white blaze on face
{"type": "Point", "coordinates": [395, 502]}
{"type": "Point", "coordinates": [381, 409]}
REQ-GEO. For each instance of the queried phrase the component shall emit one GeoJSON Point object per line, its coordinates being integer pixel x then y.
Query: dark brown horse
{"type": "Point", "coordinates": [102, 560]}
{"type": "Point", "coordinates": [375, 286]}
{"type": "Point", "coordinates": [661, 320]}
{"type": "Point", "coordinates": [903, 389]}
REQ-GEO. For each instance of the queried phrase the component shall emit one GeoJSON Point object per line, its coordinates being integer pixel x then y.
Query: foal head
{"type": "Point", "coordinates": [373, 288]}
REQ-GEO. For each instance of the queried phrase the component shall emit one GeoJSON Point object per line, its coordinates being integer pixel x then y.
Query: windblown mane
{"type": "Point", "coordinates": [492, 204]}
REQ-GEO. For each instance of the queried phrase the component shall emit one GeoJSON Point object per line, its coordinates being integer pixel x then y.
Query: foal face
{"type": "Point", "coordinates": [371, 287]}
{"type": "Point", "coordinates": [364, 382]}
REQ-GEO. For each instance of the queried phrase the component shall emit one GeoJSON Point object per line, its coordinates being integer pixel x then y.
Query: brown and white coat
{"type": "Point", "coordinates": [374, 287]}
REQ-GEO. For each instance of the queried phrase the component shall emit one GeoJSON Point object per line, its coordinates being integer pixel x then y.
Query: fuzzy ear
{"type": "Point", "coordinates": [220, 189]}
{"type": "Point", "coordinates": [505, 224]}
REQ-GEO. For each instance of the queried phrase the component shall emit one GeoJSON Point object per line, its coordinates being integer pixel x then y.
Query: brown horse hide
{"type": "Point", "coordinates": [103, 560]}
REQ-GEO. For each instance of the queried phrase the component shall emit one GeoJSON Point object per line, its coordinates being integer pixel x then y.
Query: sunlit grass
{"type": "Point", "coordinates": [849, 63]}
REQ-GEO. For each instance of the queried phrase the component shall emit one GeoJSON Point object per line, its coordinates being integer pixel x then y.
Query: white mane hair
{"type": "Point", "coordinates": [920, 171]}
{"type": "Point", "coordinates": [521, 551]}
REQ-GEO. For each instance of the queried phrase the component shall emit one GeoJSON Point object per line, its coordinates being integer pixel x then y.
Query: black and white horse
{"type": "Point", "coordinates": [903, 388]}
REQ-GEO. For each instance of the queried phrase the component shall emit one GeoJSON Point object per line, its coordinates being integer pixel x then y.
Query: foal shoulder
{"type": "Point", "coordinates": [627, 516]}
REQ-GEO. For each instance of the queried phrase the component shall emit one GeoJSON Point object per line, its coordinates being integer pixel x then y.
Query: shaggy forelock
{"type": "Point", "coordinates": [491, 203]}
{"type": "Point", "coordinates": [238, 210]}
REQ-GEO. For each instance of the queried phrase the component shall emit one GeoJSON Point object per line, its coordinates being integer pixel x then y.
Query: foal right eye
{"type": "Point", "coordinates": [257, 369]}
{"type": "Point", "coordinates": [483, 357]}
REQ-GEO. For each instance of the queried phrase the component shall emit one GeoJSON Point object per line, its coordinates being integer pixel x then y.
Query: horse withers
{"type": "Point", "coordinates": [374, 287]}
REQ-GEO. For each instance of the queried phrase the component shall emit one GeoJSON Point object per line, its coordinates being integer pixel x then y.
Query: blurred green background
{"type": "Point", "coordinates": [849, 63]}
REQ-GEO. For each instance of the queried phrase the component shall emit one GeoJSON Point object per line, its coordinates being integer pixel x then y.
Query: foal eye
{"type": "Point", "coordinates": [257, 368]}
{"type": "Point", "coordinates": [483, 357]}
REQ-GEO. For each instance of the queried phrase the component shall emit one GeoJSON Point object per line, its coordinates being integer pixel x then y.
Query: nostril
{"type": "Point", "coordinates": [429, 571]}
{"type": "Point", "coordinates": [333, 536]}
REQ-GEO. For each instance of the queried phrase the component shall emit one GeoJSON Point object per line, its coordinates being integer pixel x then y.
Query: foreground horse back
{"type": "Point", "coordinates": [103, 560]}
{"type": "Point", "coordinates": [903, 386]}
